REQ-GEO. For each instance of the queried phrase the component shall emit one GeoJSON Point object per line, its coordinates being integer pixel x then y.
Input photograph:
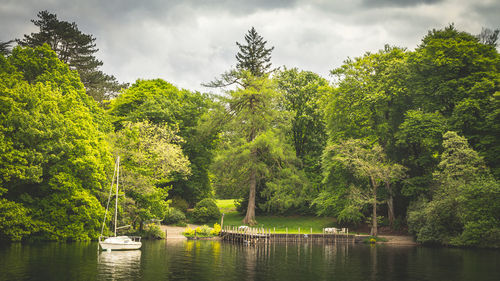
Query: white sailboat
{"type": "Point", "coordinates": [117, 242]}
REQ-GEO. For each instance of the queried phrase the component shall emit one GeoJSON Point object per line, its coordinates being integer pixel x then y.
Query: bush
{"type": "Point", "coordinates": [188, 232]}
{"type": "Point", "coordinates": [153, 231]}
{"type": "Point", "coordinates": [202, 231]}
{"type": "Point", "coordinates": [174, 216]}
{"type": "Point", "coordinates": [374, 239]}
{"type": "Point", "coordinates": [206, 210]}
{"type": "Point", "coordinates": [179, 204]}
{"type": "Point", "coordinates": [216, 230]}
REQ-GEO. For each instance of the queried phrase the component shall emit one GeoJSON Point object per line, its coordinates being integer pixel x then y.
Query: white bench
{"type": "Point", "coordinates": [330, 230]}
{"type": "Point", "coordinates": [242, 228]}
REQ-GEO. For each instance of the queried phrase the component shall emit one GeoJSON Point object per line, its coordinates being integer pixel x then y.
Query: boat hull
{"type": "Point", "coordinates": [120, 243]}
{"type": "Point", "coordinates": [105, 246]}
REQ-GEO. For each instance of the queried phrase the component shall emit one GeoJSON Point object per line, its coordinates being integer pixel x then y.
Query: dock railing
{"type": "Point", "coordinates": [254, 235]}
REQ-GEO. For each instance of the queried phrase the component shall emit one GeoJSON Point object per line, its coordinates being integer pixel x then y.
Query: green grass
{"type": "Point", "coordinates": [280, 223]}
{"type": "Point", "coordinates": [226, 205]}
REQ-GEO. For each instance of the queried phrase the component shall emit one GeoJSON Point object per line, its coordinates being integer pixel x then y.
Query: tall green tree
{"type": "Point", "coordinates": [368, 102]}
{"type": "Point", "coordinates": [150, 155]}
{"type": "Point", "coordinates": [418, 145]}
{"type": "Point", "coordinates": [371, 97]}
{"type": "Point", "coordinates": [454, 74]}
{"type": "Point", "coordinates": [464, 207]}
{"type": "Point", "coordinates": [253, 153]}
{"type": "Point", "coordinates": [302, 94]}
{"type": "Point", "coordinates": [160, 102]}
{"type": "Point", "coordinates": [54, 158]}
{"type": "Point", "coordinates": [253, 114]}
{"type": "Point", "coordinates": [252, 57]}
{"type": "Point", "coordinates": [368, 162]}
{"type": "Point", "coordinates": [75, 48]}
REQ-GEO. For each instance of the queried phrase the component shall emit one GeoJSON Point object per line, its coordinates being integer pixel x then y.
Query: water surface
{"type": "Point", "coordinates": [213, 260]}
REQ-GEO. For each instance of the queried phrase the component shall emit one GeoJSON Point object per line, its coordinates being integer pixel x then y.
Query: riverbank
{"type": "Point", "coordinates": [175, 232]}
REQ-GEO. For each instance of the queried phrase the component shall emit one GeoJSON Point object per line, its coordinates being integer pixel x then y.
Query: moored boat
{"type": "Point", "coordinates": [120, 243]}
{"type": "Point", "coordinates": [117, 242]}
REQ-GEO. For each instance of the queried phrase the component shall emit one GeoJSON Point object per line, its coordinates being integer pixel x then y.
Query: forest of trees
{"type": "Point", "coordinates": [400, 138]}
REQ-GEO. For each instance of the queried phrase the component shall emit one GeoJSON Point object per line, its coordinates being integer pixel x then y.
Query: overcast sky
{"type": "Point", "coordinates": [190, 42]}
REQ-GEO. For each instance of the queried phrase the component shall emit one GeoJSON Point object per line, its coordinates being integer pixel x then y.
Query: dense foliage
{"type": "Point", "coordinates": [206, 210]}
{"type": "Point", "coordinates": [160, 102]}
{"type": "Point", "coordinates": [398, 137]}
{"type": "Point", "coordinates": [405, 102]}
{"type": "Point", "coordinates": [150, 156]}
{"type": "Point", "coordinates": [54, 158]}
{"type": "Point", "coordinates": [174, 216]}
{"type": "Point", "coordinates": [465, 205]}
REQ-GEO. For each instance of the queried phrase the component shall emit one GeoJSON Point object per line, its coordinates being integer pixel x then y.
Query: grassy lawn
{"type": "Point", "coordinates": [226, 205]}
{"type": "Point", "coordinates": [232, 218]}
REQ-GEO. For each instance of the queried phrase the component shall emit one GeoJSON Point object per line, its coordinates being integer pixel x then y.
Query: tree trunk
{"type": "Point", "coordinates": [250, 216]}
{"type": "Point", "coordinates": [390, 206]}
{"type": "Point", "coordinates": [373, 231]}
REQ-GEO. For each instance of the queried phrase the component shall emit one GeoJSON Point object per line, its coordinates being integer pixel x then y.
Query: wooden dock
{"type": "Point", "coordinates": [262, 235]}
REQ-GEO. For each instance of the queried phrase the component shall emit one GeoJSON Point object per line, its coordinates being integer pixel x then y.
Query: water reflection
{"type": "Point", "coordinates": [116, 265]}
{"type": "Point", "coordinates": [214, 260]}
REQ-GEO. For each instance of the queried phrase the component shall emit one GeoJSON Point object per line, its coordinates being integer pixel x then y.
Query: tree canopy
{"type": "Point", "coordinates": [76, 49]}
{"type": "Point", "coordinates": [54, 156]}
{"type": "Point", "coordinates": [160, 102]}
{"type": "Point", "coordinates": [398, 139]}
{"type": "Point", "coordinates": [253, 56]}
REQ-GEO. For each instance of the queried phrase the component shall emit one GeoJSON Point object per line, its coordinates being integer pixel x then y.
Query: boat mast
{"type": "Point", "coordinates": [109, 199]}
{"type": "Point", "coordinates": [116, 202]}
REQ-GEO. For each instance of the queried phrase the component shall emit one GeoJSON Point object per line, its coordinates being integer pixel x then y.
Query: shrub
{"type": "Point", "coordinates": [203, 230]}
{"type": "Point", "coordinates": [181, 223]}
{"type": "Point", "coordinates": [374, 239]}
{"type": "Point", "coordinates": [188, 231]}
{"type": "Point", "coordinates": [206, 210]}
{"type": "Point", "coordinates": [216, 230]}
{"type": "Point", "coordinates": [179, 204]}
{"type": "Point", "coordinates": [153, 231]}
{"type": "Point", "coordinates": [174, 216]}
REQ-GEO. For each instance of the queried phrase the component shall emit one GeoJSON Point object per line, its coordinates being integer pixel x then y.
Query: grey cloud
{"type": "Point", "coordinates": [190, 42]}
{"type": "Point", "coordinates": [398, 3]}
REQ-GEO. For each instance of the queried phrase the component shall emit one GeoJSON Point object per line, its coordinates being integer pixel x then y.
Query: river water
{"type": "Point", "coordinates": [214, 260]}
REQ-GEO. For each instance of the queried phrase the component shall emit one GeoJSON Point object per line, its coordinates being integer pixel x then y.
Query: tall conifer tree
{"type": "Point", "coordinates": [75, 49]}
{"type": "Point", "coordinates": [254, 56]}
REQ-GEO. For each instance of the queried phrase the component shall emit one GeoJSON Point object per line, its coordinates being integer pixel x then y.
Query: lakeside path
{"type": "Point", "coordinates": [175, 232]}
{"type": "Point", "coordinates": [398, 240]}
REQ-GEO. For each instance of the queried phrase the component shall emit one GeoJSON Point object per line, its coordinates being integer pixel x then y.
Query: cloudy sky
{"type": "Point", "coordinates": [190, 42]}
